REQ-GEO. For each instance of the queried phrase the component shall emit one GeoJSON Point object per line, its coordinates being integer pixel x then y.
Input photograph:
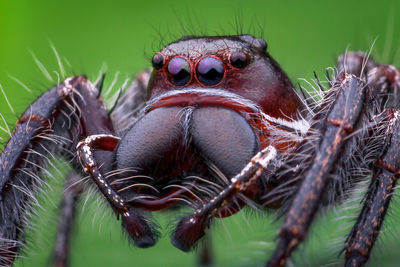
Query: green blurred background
{"type": "Point", "coordinates": [302, 35]}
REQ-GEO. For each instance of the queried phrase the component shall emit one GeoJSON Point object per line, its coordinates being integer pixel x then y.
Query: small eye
{"type": "Point", "coordinates": [210, 71]}
{"type": "Point", "coordinates": [179, 71]}
{"type": "Point", "coordinates": [158, 61]}
{"type": "Point", "coordinates": [239, 60]}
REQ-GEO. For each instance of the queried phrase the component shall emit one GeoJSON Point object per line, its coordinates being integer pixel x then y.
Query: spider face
{"type": "Point", "coordinates": [202, 122]}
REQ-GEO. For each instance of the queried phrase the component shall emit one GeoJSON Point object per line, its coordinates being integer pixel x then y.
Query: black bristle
{"type": "Point", "coordinates": [319, 82]}
{"type": "Point", "coordinates": [328, 77]}
{"type": "Point", "coordinates": [116, 102]}
{"type": "Point", "coordinates": [100, 83]}
{"type": "Point", "coordinates": [304, 95]}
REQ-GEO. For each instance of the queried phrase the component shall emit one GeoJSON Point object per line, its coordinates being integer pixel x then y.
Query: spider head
{"type": "Point", "coordinates": [237, 64]}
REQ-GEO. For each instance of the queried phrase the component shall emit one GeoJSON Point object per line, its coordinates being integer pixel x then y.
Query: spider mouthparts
{"type": "Point", "coordinates": [189, 230]}
{"type": "Point", "coordinates": [163, 202]}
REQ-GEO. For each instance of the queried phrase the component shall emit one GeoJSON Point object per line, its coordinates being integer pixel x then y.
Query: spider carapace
{"type": "Point", "coordinates": [216, 126]}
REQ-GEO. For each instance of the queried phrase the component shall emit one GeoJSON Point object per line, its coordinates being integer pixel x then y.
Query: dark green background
{"type": "Point", "coordinates": [302, 35]}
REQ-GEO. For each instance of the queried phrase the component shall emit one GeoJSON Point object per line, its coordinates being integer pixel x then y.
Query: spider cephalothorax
{"type": "Point", "coordinates": [218, 127]}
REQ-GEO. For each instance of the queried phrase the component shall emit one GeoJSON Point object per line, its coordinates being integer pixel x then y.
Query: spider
{"type": "Point", "coordinates": [215, 126]}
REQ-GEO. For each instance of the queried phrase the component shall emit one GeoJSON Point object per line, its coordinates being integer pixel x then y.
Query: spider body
{"type": "Point", "coordinates": [218, 128]}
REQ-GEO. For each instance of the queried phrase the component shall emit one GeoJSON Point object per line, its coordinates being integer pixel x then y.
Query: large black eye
{"type": "Point", "coordinates": [179, 71]}
{"type": "Point", "coordinates": [210, 71]}
{"type": "Point", "coordinates": [239, 60]}
{"type": "Point", "coordinates": [158, 61]}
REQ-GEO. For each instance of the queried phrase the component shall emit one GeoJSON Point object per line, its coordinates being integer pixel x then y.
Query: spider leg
{"type": "Point", "coordinates": [289, 174]}
{"type": "Point", "coordinates": [191, 228]}
{"type": "Point", "coordinates": [387, 171]}
{"type": "Point", "coordinates": [52, 125]}
{"type": "Point", "coordinates": [356, 63]}
{"type": "Point", "coordinates": [386, 80]}
{"type": "Point", "coordinates": [340, 123]}
{"type": "Point", "coordinates": [72, 192]}
{"type": "Point", "coordinates": [33, 124]}
{"type": "Point", "coordinates": [133, 222]}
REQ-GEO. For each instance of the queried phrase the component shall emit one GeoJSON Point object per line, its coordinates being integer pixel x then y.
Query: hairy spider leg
{"type": "Point", "coordinates": [50, 126]}
{"type": "Point", "coordinates": [340, 122]}
{"type": "Point", "coordinates": [133, 222]}
{"type": "Point", "coordinates": [364, 233]}
{"type": "Point", "coordinates": [191, 228]}
{"type": "Point", "coordinates": [383, 80]}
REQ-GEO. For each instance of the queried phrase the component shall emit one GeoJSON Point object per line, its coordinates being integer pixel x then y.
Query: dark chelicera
{"type": "Point", "coordinates": [216, 130]}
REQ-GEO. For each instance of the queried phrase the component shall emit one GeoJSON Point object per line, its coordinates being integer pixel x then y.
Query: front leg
{"type": "Point", "coordinates": [133, 221]}
{"type": "Point", "coordinates": [52, 125]}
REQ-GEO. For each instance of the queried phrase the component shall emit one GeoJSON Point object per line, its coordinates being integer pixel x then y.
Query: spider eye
{"type": "Point", "coordinates": [179, 71]}
{"type": "Point", "coordinates": [158, 61]}
{"type": "Point", "coordinates": [239, 60]}
{"type": "Point", "coordinates": [210, 71]}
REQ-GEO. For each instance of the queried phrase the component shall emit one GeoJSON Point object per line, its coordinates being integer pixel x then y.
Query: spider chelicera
{"type": "Point", "coordinates": [216, 126]}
